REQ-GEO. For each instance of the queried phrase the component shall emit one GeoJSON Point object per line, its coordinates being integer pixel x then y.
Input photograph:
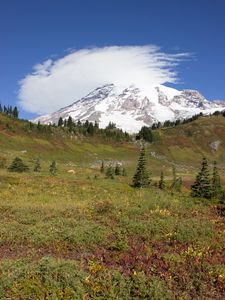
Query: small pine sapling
{"type": "Point", "coordinates": [52, 168]}
{"type": "Point", "coordinates": [162, 184]}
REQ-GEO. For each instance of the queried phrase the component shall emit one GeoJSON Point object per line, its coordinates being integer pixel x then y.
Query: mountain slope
{"type": "Point", "coordinates": [188, 143]}
{"type": "Point", "coordinates": [183, 145]}
{"type": "Point", "coordinates": [131, 107]}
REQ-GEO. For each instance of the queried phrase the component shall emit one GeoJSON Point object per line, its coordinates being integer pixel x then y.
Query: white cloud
{"type": "Point", "coordinates": [55, 84]}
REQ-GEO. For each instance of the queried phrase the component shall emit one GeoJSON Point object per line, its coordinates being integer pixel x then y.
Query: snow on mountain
{"type": "Point", "coordinates": [132, 107]}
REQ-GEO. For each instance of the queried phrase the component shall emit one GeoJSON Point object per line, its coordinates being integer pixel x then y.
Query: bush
{"type": "Point", "coordinates": [109, 172]}
{"type": "Point", "coordinates": [45, 279]}
{"type": "Point", "coordinates": [17, 165]}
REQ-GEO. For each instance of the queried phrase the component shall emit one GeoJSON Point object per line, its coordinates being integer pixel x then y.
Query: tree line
{"type": "Point", "coordinates": [87, 128]}
{"type": "Point", "coordinates": [146, 132]}
{"type": "Point", "coordinates": [111, 132]}
{"type": "Point", "coordinates": [178, 122]}
{"type": "Point", "coordinates": [9, 111]}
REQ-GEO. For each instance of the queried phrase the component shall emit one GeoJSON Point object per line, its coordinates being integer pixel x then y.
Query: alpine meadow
{"type": "Point", "coordinates": [112, 150]}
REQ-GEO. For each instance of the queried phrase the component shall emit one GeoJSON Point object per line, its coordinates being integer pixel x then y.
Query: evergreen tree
{"type": "Point", "coordinates": [65, 123]}
{"type": "Point", "coordinates": [96, 125]}
{"type": "Point", "coordinates": [15, 112]}
{"type": "Point", "coordinates": [111, 125]}
{"type": "Point", "coordinates": [70, 123]}
{"type": "Point", "coordinates": [202, 184]}
{"type": "Point", "coordinates": [102, 168]}
{"type": "Point", "coordinates": [216, 183]}
{"type": "Point", "coordinates": [37, 166]}
{"type": "Point", "coordinates": [10, 110]}
{"type": "Point", "coordinates": [52, 168]}
{"type": "Point", "coordinates": [39, 126]}
{"type": "Point", "coordinates": [162, 184]}
{"type": "Point", "coordinates": [146, 134]}
{"type": "Point", "coordinates": [159, 125]}
{"type": "Point", "coordinates": [177, 122]}
{"type": "Point", "coordinates": [60, 122]}
{"type": "Point", "coordinates": [141, 177]}
{"type": "Point", "coordinates": [109, 172]}
{"type": "Point", "coordinates": [117, 170]}
{"type": "Point", "coordinates": [154, 126]}
{"type": "Point", "coordinates": [90, 129]}
{"type": "Point", "coordinates": [1, 110]}
{"type": "Point", "coordinates": [17, 165]}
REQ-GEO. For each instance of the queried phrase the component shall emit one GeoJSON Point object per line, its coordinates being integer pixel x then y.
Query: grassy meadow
{"type": "Point", "coordinates": [82, 236]}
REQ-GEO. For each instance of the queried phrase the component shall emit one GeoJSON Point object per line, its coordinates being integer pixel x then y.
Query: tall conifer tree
{"type": "Point", "coordinates": [60, 122]}
{"type": "Point", "coordinates": [15, 112]}
{"type": "Point", "coordinates": [202, 185]}
{"type": "Point", "coordinates": [141, 177]}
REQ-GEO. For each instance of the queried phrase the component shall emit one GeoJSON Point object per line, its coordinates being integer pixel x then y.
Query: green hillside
{"type": "Point", "coordinates": [187, 143]}
{"type": "Point", "coordinates": [78, 235]}
{"type": "Point", "coordinates": [183, 145]}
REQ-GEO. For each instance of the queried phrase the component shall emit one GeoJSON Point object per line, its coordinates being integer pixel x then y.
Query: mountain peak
{"type": "Point", "coordinates": [132, 107]}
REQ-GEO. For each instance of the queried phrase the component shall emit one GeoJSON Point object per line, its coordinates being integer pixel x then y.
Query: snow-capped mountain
{"type": "Point", "coordinates": [132, 107]}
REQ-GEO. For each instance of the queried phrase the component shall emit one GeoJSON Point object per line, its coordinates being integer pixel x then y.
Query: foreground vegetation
{"type": "Point", "coordinates": [82, 236]}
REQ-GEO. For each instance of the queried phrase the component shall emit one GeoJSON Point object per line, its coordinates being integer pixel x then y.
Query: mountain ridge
{"type": "Point", "coordinates": [132, 107]}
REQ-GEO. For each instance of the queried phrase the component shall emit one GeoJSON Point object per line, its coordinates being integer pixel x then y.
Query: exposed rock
{"type": "Point", "coordinates": [215, 145]}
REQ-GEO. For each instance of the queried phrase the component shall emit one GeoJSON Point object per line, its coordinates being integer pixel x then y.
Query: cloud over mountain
{"type": "Point", "coordinates": [57, 83]}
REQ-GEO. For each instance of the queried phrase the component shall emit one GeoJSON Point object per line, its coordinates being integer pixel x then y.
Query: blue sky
{"type": "Point", "coordinates": [33, 31]}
